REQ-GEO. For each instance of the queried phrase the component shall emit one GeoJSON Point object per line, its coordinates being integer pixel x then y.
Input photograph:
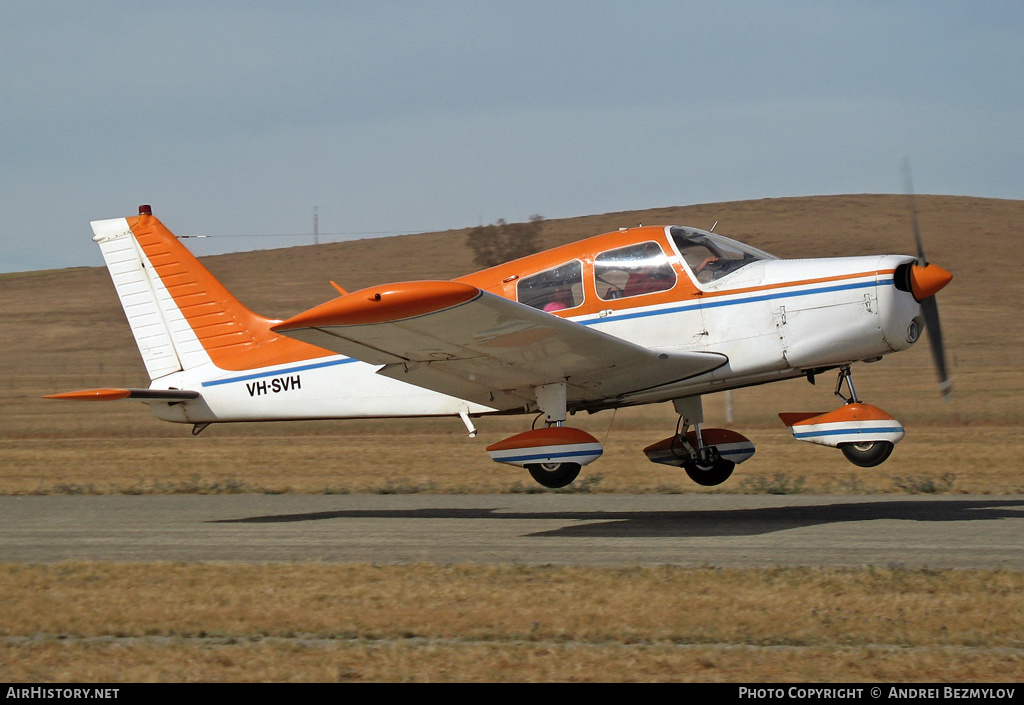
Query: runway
{"type": "Point", "coordinates": [692, 530]}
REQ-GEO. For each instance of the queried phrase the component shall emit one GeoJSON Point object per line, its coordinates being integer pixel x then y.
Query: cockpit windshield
{"type": "Point", "coordinates": [711, 257]}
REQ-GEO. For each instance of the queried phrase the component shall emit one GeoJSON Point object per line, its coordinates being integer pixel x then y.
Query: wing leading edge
{"type": "Point", "coordinates": [459, 340]}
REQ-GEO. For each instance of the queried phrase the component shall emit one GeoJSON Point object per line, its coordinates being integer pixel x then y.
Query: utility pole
{"type": "Point", "coordinates": [316, 225]}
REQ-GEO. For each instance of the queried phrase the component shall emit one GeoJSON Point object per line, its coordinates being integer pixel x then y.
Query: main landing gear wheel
{"type": "Point", "coordinates": [710, 471]}
{"type": "Point", "coordinates": [867, 455]}
{"type": "Point", "coordinates": [554, 475]}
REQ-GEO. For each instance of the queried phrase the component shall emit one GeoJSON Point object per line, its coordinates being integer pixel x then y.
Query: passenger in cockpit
{"type": "Point", "coordinates": [649, 279]}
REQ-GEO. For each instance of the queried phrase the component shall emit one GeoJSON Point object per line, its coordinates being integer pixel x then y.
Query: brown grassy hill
{"type": "Point", "coordinates": [64, 329]}
{"type": "Point", "coordinates": [70, 319]}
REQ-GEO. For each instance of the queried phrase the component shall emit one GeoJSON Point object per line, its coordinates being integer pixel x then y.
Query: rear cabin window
{"type": "Point", "coordinates": [632, 271]}
{"type": "Point", "coordinates": [554, 289]}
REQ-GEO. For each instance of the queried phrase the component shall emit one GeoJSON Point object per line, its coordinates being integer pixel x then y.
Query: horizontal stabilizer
{"type": "Point", "coordinates": [113, 394]}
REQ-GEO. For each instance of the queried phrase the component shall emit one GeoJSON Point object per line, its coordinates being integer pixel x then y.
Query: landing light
{"type": "Point", "coordinates": [914, 330]}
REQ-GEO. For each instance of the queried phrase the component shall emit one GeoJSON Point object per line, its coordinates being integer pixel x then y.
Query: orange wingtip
{"type": "Point", "coordinates": [381, 304]}
{"type": "Point", "coordinates": [93, 395]}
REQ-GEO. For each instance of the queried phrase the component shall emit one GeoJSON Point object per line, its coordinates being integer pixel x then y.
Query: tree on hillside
{"type": "Point", "coordinates": [501, 242]}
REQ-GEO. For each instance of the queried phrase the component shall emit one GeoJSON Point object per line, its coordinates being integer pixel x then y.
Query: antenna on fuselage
{"type": "Point", "coordinates": [713, 227]}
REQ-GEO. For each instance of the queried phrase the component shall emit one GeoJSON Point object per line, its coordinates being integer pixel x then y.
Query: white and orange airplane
{"type": "Point", "coordinates": [638, 316]}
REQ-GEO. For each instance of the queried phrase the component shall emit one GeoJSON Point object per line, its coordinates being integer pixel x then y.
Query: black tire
{"type": "Point", "coordinates": [713, 472]}
{"type": "Point", "coordinates": [867, 455]}
{"type": "Point", "coordinates": [554, 475]}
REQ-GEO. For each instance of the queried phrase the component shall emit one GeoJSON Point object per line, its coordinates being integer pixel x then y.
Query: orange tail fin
{"type": "Point", "coordinates": [180, 314]}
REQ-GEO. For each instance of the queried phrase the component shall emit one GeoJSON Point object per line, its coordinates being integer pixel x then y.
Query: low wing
{"type": "Point", "coordinates": [459, 340]}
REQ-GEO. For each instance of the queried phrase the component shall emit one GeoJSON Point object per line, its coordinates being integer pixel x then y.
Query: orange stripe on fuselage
{"type": "Point", "coordinates": [800, 282]}
{"type": "Point", "coordinates": [235, 338]}
{"type": "Point", "coordinates": [501, 280]}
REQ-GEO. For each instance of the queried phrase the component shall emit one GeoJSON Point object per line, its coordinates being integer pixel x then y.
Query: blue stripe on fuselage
{"type": "Point", "coordinates": [735, 302]}
{"type": "Point", "coordinates": [621, 317]}
{"type": "Point", "coordinates": [274, 373]}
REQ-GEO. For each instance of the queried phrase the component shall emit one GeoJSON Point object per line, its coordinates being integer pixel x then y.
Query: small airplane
{"type": "Point", "coordinates": [638, 316]}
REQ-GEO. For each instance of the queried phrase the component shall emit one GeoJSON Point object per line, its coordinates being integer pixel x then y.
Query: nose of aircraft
{"type": "Point", "coordinates": [923, 281]}
{"type": "Point", "coordinates": [927, 280]}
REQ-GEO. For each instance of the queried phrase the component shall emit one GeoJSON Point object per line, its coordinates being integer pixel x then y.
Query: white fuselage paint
{"type": "Point", "coordinates": [770, 330]}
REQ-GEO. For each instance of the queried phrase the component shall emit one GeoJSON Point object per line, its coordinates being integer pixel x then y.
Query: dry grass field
{"type": "Point", "coordinates": [63, 330]}
{"type": "Point", "coordinates": [216, 622]}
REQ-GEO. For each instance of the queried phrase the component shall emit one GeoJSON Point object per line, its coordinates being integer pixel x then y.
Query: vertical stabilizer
{"type": "Point", "coordinates": [180, 315]}
{"type": "Point", "coordinates": [138, 294]}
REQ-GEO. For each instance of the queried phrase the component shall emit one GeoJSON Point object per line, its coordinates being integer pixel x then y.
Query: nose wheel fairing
{"type": "Point", "coordinates": [855, 427]}
{"type": "Point", "coordinates": [855, 422]}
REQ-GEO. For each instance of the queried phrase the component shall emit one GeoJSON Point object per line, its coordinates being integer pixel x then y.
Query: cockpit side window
{"type": "Point", "coordinates": [711, 257]}
{"type": "Point", "coordinates": [632, 271]}
{"type": "Point", "coordinates": [699, 258]}
{"type": "Point", "coordinates": [553, 289]}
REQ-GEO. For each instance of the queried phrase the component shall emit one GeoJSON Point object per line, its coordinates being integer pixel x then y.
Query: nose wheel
{"type": "Point", "coordinates": [864, 433]}
{"type": "Point", "coordinates": [867, 455]}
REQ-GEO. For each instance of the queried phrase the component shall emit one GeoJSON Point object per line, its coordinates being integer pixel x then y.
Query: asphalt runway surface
{"type": "Point", "coordinates": [950, 531]}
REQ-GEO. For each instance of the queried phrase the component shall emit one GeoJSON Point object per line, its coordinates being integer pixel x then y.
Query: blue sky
{"type": "Point", "coordinates": [238, 118]}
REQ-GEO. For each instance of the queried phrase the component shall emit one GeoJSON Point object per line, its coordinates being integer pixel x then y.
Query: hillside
{"type": "Point", "coordinates": [60, 319]}
{"type": "Point", "coordinates": [62, 330]}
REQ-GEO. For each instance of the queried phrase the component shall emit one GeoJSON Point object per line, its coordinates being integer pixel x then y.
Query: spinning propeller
{"type": "Point", "coordinates": [925, 280]}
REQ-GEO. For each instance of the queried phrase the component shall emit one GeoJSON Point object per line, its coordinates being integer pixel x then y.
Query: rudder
{"type": "Point", "coordinates": [180, 314]}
